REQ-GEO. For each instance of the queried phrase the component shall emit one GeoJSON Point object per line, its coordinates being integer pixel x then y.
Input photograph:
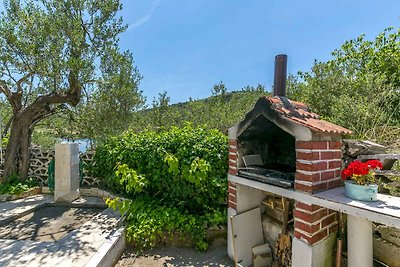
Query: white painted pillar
{"type": "Point", "coordinates": [231, 212]}
{"type": "Point", "coordinates": [66, 176]}
{"type": "Point", "coordinates": [359, 242]}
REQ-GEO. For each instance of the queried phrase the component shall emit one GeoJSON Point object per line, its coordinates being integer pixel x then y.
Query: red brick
{"type": "Point", "coordinates": [311, 240]}
{"type": "Point", "coordinates": [307, 156]}
{"type": "Point", "coordinates": [307, 207]}
{"type": "Point", "coordinates": [335, 145]}
{"type": "Point", "coordinates": [320, 187]}
{"type": "Point", "coordinates": [308, 177]}
{"type": "Point", "coordinates": [311, 145]}
{"type": "Point", "coordinates": [232, 171]}
{"type": "Point", "coordinates": [334, 164]}
{"type": "Point", "coordinates": [314, 166]}
{"type": "Point", "coordinates": [232, 164]}
{"type": "Point", "coordinates": [311, 218]}
{"type": "Point", "coordinates": [328, 220]}
{"type": "Point", "coordinates": [232, 142]}
{"type": "Point", "coordinates": [334, 183]}
{"type": "Point", "coordinates": [333, 229]}
{"type": "Point", "coordinates": [331, 211]}
{"type": "Point", "coordinates": [232, 190]}
{"type": "Point", "coordinates": [327, 175]}
{"type": "Point", "coordinates": [309, 228]}
{"type": "Point", "coordinates": [311, 188]}
{"type": "Point", "coordinates": [233, 150]}
{"type": "Point", "coordinates": [299, 235]}
{"type": "Point", "coordinates": [302, 187]}
{"type": "Point", "coordinates": [233, 157]}
{"type": "Point", "coordinates": [331, 155]}
{"type": "Point", "coordinates": [318, 236]}
{"type": "Point", "coordinates": [317, 215]}
{"type": "Point", "coordinates": [232, 205]}
{"type": "Point", "coordinates": [231, 184]}
{"type": "Point", "coordinates": [232, 198]}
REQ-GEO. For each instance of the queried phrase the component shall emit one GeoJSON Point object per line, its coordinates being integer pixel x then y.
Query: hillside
{"type": "Point", "coordinates": [219, 112]}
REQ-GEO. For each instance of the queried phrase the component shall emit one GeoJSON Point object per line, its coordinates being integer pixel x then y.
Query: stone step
{"type": "Point", "coordinates": [388, 173]}
{"type": "Point", "coordinates": [379, 156]}
{"type": "Point", "coordinates": [387, 159]}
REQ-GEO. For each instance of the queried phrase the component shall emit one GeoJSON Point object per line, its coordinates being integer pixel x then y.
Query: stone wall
{"type": "Point", "coordinates": [351, 149]}
{"type": "Point", "coordinates": [386, 239]}
{"type": "Point", "coordinates": [40, 160]}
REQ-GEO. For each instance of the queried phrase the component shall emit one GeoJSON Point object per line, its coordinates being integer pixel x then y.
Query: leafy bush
{"type": "Point", "coordinates": [358, 88]}
{"type": "Point", "coordinates": [180, 171]}
{"type": "Point", "coordinates": [149, 221]}
{"type": "Point", "coordinates": [15, 186]}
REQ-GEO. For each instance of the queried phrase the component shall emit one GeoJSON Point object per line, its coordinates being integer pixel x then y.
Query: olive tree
{"type": "Point", "coordinates": [52, 54]}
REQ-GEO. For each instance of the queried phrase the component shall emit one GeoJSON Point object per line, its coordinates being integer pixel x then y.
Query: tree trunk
{"type": "Point", "coordinates": [17, 156]}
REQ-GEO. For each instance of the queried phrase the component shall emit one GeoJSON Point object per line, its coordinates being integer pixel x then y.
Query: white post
{"type": "Point", "coordinates": [359, 242]}
{"type": "Point", "coordinates": [66, 176]}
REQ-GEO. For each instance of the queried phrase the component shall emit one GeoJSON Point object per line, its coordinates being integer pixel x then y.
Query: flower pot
{"type": "Point", "coordinates": [361, 192]}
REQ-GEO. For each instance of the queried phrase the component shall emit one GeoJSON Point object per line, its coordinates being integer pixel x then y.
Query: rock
{"type": "Point", "coordinates": [389, 234]}
{"type": "Point", "coordinates": [386, 252]}
{"type": "Point", "coordinates": [353, 148]}
{"type": "Point", "coordinates": [45, 190]}
{"type": "Point", "coordinates": [5, 197]}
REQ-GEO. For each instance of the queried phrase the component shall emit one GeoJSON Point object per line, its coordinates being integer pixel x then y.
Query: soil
{"type": "Point", "coordinates": [216, 255]}
{"type": "Point", "coordinates": [47, 223]}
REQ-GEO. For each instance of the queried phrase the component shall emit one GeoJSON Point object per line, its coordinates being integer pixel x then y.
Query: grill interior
{"type": "Point", "coordinates": [267, 153]}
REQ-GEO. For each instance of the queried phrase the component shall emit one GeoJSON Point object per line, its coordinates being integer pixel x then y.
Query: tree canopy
{"type": "Point", "coordinates": [52, 54]}
{"type": "Point", "coordinates": [359, 88]}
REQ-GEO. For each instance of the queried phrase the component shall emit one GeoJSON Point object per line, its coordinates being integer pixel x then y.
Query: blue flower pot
{"type": "Point", "coordinates": [361, 192]}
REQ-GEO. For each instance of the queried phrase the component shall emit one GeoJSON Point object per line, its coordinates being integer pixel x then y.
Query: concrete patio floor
{"type": "Point", "coordinates": [93, 244]}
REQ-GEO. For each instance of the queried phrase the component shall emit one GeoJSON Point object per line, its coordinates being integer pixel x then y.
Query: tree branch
{"type": "Point", "coordinates": [6, 127]}
{"type": "Point", "coordinates": [13, 98]}
{"type": "Point", "coordinates": [5, 90]}
{"type": "Point", "coordinates": [43, 116]}
{"type": "Point", "coordinates": [22, 80]}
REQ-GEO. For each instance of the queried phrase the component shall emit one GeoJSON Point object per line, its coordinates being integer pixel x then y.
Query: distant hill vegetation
{"type": "Point", "coordinates": [218, 111]}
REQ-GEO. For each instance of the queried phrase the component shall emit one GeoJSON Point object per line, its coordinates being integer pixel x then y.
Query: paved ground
{"type": "Point", "coordinates": [172, 256]}
{"type": "Point", "coordinates": [47, 223]}
{"type": "Point", "coordinates": [89, 244]}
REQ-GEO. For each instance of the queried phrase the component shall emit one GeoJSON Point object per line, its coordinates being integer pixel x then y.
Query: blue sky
{"type": "Point", "coordinates": [186, 46]}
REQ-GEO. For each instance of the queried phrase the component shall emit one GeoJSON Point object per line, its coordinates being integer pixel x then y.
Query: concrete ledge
{"type": "Point", "coordinates": [385, 211]}
{"type": "Point", "coordinates": [110, 252]}
{"type": "Point", "coordinates": [31, 192]}
{"type": "Point", "coordinates": [89, 192]}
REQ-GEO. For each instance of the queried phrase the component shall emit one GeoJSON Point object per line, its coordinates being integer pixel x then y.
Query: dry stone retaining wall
{"type": "Point", "coordinates": [40, 160]}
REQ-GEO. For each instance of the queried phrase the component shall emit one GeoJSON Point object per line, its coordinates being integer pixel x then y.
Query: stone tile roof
{"type": "Point", "coordinates": [300, 113]}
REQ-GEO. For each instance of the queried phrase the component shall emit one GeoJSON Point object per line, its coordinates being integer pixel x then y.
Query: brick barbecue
{"type": "Point", "coordinates": [288, 139]}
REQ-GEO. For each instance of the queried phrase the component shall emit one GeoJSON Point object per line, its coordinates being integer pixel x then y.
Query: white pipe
{"type": "Point", "coordinates": [359, 242]}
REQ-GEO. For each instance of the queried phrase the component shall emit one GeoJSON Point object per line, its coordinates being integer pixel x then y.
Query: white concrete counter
{"type": "Point", "coordinates": [359, 222]}
{"type": "Point", "coordinates": [386, 210]}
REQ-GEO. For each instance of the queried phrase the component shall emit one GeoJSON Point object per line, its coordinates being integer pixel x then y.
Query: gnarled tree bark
{"type": "Point", "coordinates": [17, 156]}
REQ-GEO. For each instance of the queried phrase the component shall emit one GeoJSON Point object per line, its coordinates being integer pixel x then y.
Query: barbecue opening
{"type": "Point", "coordinates": [267, 153]}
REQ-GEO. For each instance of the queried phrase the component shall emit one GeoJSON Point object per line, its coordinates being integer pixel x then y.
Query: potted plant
{"type": "Point", "coordinates": [362, 184]}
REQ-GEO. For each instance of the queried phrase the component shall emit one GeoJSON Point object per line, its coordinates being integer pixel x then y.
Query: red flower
{"type": "Point", "coordinates": [345, 173]}
{"type": "Point", "coordinates": [361, 172]}
{"type": "Point", "coordinates": [374, 164]}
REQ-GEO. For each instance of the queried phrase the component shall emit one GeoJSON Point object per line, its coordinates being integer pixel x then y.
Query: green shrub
{"type": "Point", "coordinates": [180, 171]}
{"type": "Point", "coordinates": [182, 167]}
{"type": "Point", "coordinates": [15, 186]}
{"type": "Point", "coordinates": [148, 221]}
